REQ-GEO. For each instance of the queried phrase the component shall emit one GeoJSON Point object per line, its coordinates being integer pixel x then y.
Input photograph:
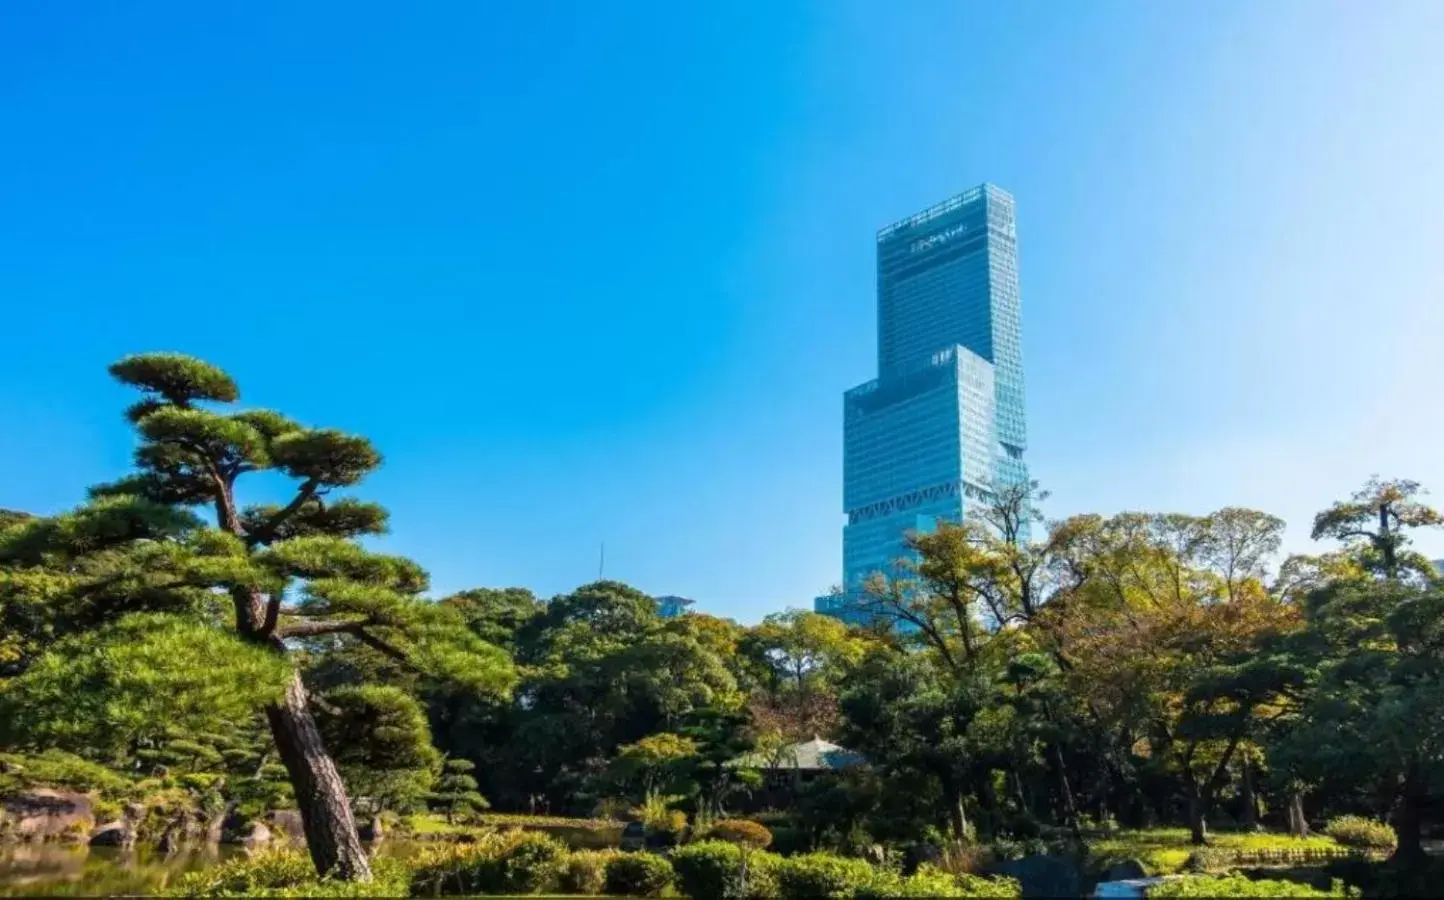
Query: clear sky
{"type": "Point", "coordinates": [598, 272]}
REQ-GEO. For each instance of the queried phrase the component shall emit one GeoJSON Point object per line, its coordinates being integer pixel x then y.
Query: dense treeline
{"type": "Point", "coordinates": [1024, 677]}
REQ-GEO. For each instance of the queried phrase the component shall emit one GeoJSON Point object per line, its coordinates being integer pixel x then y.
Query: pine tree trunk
{"type": "Point", "coordinates": [331, 836]}
{"type": "Point", "coordinates": [1250, 800]}
{"type": "Point", "coordinates": [1070, 804]}
{"type": "Point", "coordinates": [1298, 824]}
{"type": "Point", "coordinates": [1408, 824]}
{"type": "Point", "coordinates": [1197, 823]}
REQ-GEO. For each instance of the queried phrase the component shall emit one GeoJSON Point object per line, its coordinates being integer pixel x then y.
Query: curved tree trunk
{"type": "Point", "coordinates": [1070, 804]}
{"type": "Point", "coordinates": [330, 828]}
{"type": "Point", "coordinates": [1408, 821]}
{"type": "Point", "coordinates": [1197, 817]}
{"type": "Point", "coordinates": [1248, 797]}
{"type": "Point", "coordinates": [1298, 823]}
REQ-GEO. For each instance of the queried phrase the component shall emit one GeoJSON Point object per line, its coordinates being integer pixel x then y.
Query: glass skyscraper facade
{"type": "Point", "coordinates": [943, 422]}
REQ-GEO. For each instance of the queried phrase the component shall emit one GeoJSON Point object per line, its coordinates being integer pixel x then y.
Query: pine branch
{"type": "Point", "coordinates": [267, 532]}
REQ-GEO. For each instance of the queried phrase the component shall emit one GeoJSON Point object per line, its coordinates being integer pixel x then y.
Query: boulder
{"type": "Point", "coordinates": [372, 831]}
{"type": "Point", "coordinates": [179, 832]}
{"type": "Point", "coordinates": [120, 833]}
{"type": "Point", "coordinates": [256, 836]}
{"type": "Point", "coordinates": [287, 822]}
{"type": "Point", "coordinates": [215, 830]}
{"type": "Point", "coordinates": [40, 814]}
{"type": "Point", "coordinates": [249, 833]}
{"type": "Point", "coordinates": [1044, 876]}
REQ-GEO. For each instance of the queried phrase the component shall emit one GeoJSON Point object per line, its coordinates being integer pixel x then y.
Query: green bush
{"type": "Point", "coordinates": [926, 882]}
{"type": "Point", "coordinates": [740, 831]}
{"type": "Point", "coordinates": [638, 875]}
{"type": "Point", "coordinates": [288, 873]}
{"type": "Point", "coordinates": [451, 868]}
{"type": "Point", "coordinates": [995, 888]}
{"type": "Point", "coordinates": [517, 862]}
{"type": "Point", "coordinates": [712, 870]}
{"type": "Point", "coordinates": [932, 882]}
{"type": "Point", "coordinates": [584, 872]}
{"type": "Point", "coordinates": [1362, 833]}
{"type": "Point", "coordinates": [56, 768]}
{"type": "Point", "coordinates": [1238, 886]}
{"type": "Point", "coordinates": [530, 864]}
{"type": "Point", "coordinates": [820, 875]}
{"type": "Point", "coordinates": [1209, 860]}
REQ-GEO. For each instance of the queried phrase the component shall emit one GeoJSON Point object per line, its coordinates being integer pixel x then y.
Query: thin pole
{"type": "Point", "coordinates": [602, 563]}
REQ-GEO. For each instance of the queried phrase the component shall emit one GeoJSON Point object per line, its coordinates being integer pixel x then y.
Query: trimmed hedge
{"type": "Point", "coordinates": [1238, 886]}
{"type": "Point", "coordinates": [1362, 833]}
{"type": "Point", "coordinates": [288, 873]}
{"type": "Point", "coordinates": [712, 870]}
{"type": "Point", "coordinates": [821, 876]}
{"type": "Point", "coordinates": [519, 862]}
{"type": "Point", "coordinates": [740, 831]}
{"type": "Point", "coordinates": [638, 875]}
{"type": "Point", "coordinates": [516, 862]}
{"type": "Point", "coordinates": [585, 872]}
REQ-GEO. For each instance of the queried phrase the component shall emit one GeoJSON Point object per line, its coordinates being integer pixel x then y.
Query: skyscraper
{"type": "Point", "coordinates": [943, 422]}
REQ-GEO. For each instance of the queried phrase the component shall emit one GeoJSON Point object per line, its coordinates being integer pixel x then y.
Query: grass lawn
{"type": "Point", "coordinates": [1164, 850]}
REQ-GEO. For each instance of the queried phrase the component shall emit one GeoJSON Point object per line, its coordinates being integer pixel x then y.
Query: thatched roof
{"type": "Point", "coordinates": [815, 755]}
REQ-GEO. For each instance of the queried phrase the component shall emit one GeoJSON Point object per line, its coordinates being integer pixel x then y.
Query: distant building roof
{"type": "Point", "coordinates": [815, 755]}
{"type": "Point", "coordinates": [669, 607]}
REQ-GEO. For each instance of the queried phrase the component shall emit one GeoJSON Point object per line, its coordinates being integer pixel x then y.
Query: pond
{"type": "Point", "coordinates": [66, 870]}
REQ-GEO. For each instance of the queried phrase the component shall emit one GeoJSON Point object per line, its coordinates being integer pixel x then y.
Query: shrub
{"type": "Point", "coordinates": [288, 873]}
{"type": "Point", "coordinates": [929, 881]}
{"type": "Point", "coordinates": [1209, 859]}
{"type": "Point", "coordinates": [584, 872]}
{"type": "Point", "coordinates": [451, 868]}
{"type": "Point", "coordinates": [926, 882]}
{"type": "Point", "coordinates": [530, 864]}
{"type": "Point", "coordinates": [995, 887]}
{"type": "Point", "coordinates": [517, 862]}
{"type": "Point", "coordinates": [638, 875]}
{"type": "Point", "coordinates": [1362, 833]}
{"type": "Point", "coordinates": [740, 831]}
{"type": "Point", "coordinates": [712, 870]}
{"type": "Point", "coordinates": [56, 768]}
{"type": "Point", "coordinates": [960, 857]}
{"type": "Point", "coordinates": [821, 875]}
{"type": "Point", "coordinates": [1238, 886]}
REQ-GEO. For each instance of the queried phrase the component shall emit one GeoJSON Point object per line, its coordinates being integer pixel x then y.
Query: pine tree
{"type": "Point", "coordinates": [138, 572]}
{"type": "Point", "coordinates": [456, 790]}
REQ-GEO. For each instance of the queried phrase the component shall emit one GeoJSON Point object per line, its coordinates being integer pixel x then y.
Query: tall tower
{"type": "Point", "coordinates": [943, 422]}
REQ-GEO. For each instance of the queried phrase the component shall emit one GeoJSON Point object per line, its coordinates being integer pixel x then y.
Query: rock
{"type": "Point", "coordinates": [1044, 876]}
{"type": "Point", "coordinates": [119, 833]}
{"type": "Point", "coordinates": [40, 814]}
{"type": "Point", "coordinates": [170, 841]}
{"type": "Point", "coordinates": [1127, 870]}
{"type": "Point", "coordinates": [248, 833]}
{"type": "Point", "coordinates": [925, 854]}
{"type": "Point", "coordinates": [287, 822]}
{"type": "Point", "coordinates": [179, 832]}
{"type": "Point", "coordinates": [372, 831]}
{"type": "Point", "coordinates": [215, 830]}
{"type": "Point", "coordinates": [135, 812]}
{"type": "Point", "coordinates": [256, 837]}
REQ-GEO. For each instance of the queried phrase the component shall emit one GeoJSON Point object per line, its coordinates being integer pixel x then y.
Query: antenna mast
{"type": "Point", "coordinates": [602, 562]}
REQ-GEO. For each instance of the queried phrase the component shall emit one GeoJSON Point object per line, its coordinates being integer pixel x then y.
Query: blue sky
{"type": "Point", "coordinates": [600, 272]}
